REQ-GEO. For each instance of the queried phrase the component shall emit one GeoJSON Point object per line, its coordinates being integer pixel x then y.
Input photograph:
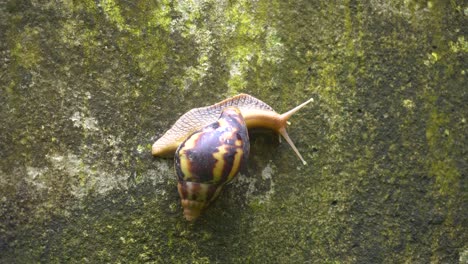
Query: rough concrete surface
{"type": "Point", "coordinates": [87, 86]}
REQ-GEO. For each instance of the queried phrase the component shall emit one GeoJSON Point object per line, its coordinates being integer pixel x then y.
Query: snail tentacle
{"type": "Point", "coordinates": [282, 131]}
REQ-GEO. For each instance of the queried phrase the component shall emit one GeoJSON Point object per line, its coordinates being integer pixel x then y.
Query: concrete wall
{"type": "Point", "coordinates": [87, 86]}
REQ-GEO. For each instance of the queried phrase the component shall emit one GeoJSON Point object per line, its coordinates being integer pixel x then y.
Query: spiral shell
{"type": "Point", "coordinates": [210, 158]}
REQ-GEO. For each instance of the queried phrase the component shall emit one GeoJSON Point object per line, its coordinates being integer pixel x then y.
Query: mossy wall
{"type": "Point", "coordinates": [87, 86]}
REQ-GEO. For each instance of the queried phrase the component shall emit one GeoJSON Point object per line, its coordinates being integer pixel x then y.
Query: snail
{"type": "Point", "coordinates": [210, 158]}
{"type": "Point", "coordinates": [257, 114]}
{"type": "Point", "coordinates": [211, 145]}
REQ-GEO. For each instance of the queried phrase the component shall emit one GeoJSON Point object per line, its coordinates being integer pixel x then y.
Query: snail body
{"type": "Point", "coordinates": [210, 158]}
{"type": "Point", "coordinates": [256, 114]}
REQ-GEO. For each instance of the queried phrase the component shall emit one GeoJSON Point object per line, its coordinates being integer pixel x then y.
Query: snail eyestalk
{"type": "Point", "coordinates": [288, 114]}
{"type": "Point", "coordinates": [283, 133]}
{"type": "Point", "coordinates": [284, 121]}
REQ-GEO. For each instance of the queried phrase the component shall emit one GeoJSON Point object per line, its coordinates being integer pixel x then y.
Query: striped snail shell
{"type": "Point", "coordinates": [210, 158]}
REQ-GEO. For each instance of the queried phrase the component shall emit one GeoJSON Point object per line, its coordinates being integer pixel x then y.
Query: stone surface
{"type": "Point", "coordinates": [87, 86]}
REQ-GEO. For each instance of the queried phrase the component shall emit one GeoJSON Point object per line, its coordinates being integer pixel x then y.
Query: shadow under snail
{"type": "Point", "coordinates": [211, 145]}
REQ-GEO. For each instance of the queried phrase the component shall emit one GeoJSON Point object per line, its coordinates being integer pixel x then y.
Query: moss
{"type": "Point", "coordinates": [26, 50]}
{"type": "Point", "coordinates": [90, 85]}
{"type": "Point", "coordinates": [441, 144]}
{"type": "Point", "coordinates": [112, 10]}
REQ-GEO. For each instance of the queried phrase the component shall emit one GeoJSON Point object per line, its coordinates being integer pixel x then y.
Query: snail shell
{"type": "Point", "coordinates": [257, 114]}
{"type": "Point", "coordinates": [210, 158]}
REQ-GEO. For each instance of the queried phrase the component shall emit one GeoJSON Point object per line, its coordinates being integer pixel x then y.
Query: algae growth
{"type": "Point", "coordinates": [87, 86]}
